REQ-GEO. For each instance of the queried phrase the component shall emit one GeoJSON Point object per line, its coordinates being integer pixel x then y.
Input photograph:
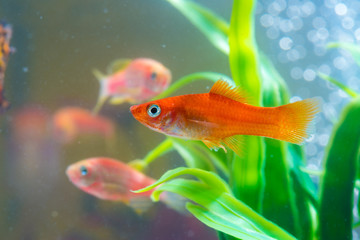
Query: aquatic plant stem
{"type": "Point", "coordinates": [158, 151]}
{"type": "Point", "coordinates": [189, 79]}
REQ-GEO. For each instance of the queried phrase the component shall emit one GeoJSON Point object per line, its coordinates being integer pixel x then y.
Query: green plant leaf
{"type": "Point", "coordinates": [163, 148]}
{"type": "Point", "coordinates": [200, 153]}
{"type": "Point", "coordinates": [189, 79]}
{"type": "Point", "coordinates": [217, 207]}
{"type": "Point", "coordinates": [343, 87]}
{"type": "Point", "coordinates": [354, 49]}
{"type": "Point", "coordinates": [337, 185]}
{"type": "Point", "coordinates": [193, 157]}
{"type": "Point", "coordinates": [211, 25]}
{"type": "Point", "coordinates": [246, 181]}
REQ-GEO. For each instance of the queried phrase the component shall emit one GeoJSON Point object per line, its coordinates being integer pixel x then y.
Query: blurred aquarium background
{"type": "Point", "coordinates": [58, 43]}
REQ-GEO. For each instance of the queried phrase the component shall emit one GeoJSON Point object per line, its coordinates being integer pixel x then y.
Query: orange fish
{"type": "Point", "coordinates": [132, 81]}
{"type": "Point", "coordinates": [220, 118]}
{"type": "Point", "coordinates": [109, 179]}
{"type": "Point", "coordinates": [5, 50]}
{"type": "Point", "coordinates": [70, 122]}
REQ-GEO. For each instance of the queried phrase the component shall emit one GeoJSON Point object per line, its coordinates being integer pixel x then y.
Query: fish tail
{"type": "Point", "coordinates": [102, 98]}
{"type": "Point", "coordinates": [174, 201]}
{"type": "Point", "coordinates": [296, 120]}
{"type": "Point", "coordinates": [99, 75]}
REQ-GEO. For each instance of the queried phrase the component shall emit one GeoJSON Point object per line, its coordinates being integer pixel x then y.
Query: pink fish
{"type": "Point", "coordinates": [70, 122]}
{"type": "Point", "coordinates": [132, 81]}
{"type": "Point", "coordinates": [109, 179]}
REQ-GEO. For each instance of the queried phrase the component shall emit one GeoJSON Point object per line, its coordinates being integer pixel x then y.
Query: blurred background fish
{"type": "Point", "coordinates": [132, 81]}
{"type": "Point", "coordinates": [70, 122]}
{"type": "Point", "coordinates": [109, 179]}
{"type": "Point", "coordinates": [5, 50]}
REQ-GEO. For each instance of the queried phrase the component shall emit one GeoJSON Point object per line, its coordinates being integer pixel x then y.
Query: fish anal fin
{"type": "Point", "coordinates": [223, 88]}
{"type": "Point", "coordinates": [235, 143]}
{"type": "Point", "coordinates": [214, 145]}
{"type": "Point", "coordinates": [118, 65]}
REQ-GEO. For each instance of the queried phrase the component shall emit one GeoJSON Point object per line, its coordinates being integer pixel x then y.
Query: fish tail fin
{"type": "Point", "coordinates": [174, 201]}
{"type": "Point", "coordinates": [102, 98]}
{"type": "Point", "coordinates": [296, 120]}
{"type": "Point", "coordinates": [141, 204]}
{"type": "Point", "coordinates": [99, 75]}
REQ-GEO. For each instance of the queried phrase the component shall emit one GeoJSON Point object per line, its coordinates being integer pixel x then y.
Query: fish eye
{"type": "Point", "coordinates": [153, 75]}
{"type": "Point", "coordinates": [83, 170]}
{"type": "Point", "coordinates": [153, 110]}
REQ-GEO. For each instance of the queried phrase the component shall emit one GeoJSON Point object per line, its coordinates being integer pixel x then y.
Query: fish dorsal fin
{"type": "Point", "coordinates": [118, 65]}
{"type": "Point", "coordinates": [223, 88]}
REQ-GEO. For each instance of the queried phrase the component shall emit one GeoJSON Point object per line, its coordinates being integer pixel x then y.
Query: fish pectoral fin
{"type": "Point", "coordinates": [118, 65]}
{"type": "Point", "coordinates": [214, 145]}
{"type": "Point", "coordinates": [235, 143]}
{"type": "Point", "coordinates": [223, 88]}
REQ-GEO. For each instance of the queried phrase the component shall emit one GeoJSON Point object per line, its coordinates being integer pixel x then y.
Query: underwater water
{"type": "Point", "coordinates": [58, 44]}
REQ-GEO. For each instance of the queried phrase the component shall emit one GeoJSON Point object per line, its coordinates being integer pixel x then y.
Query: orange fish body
{"type": "Point", "coordinates": [132, 81]}
{"type": "Point", "coordinates": [220, 117]}
{"type": "Point", "coordinates": [70, 122]}
{"type": "Point", "coordinates": [108, 179]}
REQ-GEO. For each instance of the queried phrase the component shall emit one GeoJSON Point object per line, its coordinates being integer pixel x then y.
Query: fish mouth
{"type": "Point", "coordinates": [135, 111]}
{"type": "Point", "coordinates": [133, 108]}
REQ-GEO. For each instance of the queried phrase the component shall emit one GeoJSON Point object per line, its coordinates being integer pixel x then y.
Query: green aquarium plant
{"type": "Point", "coordinates": [267, 193]}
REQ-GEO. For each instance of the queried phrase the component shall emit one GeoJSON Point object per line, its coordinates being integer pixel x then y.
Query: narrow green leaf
{"type": "Point", "coordinates": [286, 201]}
{"type": "Point", "coordinates": [211, 25]}
{"type": "Point", "coordinates": [247, 180]}
{"type": "Point", "coordinates": [337, 185]}
{"type": "Point", "coordinates": [200, 153]}
{"type": "Point", "coordinates": [189, 79]}
{"type": "Point", "coordinates": [243, 51]}
{"type": "Point", "coordinates": [208, 177]}
{"type": "Point", "coordinates": [354, 49]}
{"type": "Point", "coordinates": [222, 211]}
{"type": "Point", "coordinates": [343, 87]}
{"type": "Point", "coordinates": [279, 199]}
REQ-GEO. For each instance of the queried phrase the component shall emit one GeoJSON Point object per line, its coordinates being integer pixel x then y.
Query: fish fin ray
{"type": "Point", "coordinates": [214, 145]}
{"type": "Point", "coordinates": [140, 204]}
{"type": "Point", "coordinates": [118, 65]}
{"type": "Point", "coordinates": [99, 75]}
{"type": "Point", "coordinates": [223, 88]}
{"type": "Point", "coordinates": [296, 120]}
{"type": "Point", "coordinates": [235, 143]}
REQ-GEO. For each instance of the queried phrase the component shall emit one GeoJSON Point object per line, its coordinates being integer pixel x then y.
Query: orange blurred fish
{"type": "Point", "coordinates": [132, 81]}
{"type": "Point", "coordinates": [109, 179]}
{"type": "Point", "coordinates": [70, 122]}
{"type": "Point", "coordinates": [5, 50]}
{"type": "Point", "coordinates": [220, 118]}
